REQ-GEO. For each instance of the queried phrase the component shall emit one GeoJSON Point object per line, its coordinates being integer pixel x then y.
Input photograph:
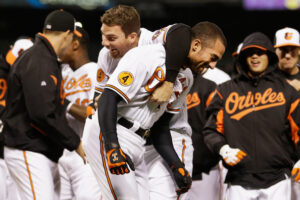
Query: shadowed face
{"type": "Point", "coordinates": [288, 57]}
{"type": "Point", "coordinates": [257, 60]}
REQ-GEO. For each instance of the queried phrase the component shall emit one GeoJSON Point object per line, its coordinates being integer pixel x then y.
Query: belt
{"type": "Point", "coordinates": [144, 133]}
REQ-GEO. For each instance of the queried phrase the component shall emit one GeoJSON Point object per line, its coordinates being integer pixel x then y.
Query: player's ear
{"type": "Point", "coordinates": [196, 45]}
{"type": "Point", "coordinates": [132, 36]}
{"type": "Point", "coordinates": [75, 45]}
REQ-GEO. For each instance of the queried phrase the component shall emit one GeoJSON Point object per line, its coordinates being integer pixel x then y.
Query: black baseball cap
{"type": "Point", "coordinates": [60, 20]}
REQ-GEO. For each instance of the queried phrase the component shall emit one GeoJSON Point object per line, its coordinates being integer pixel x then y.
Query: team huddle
{"type": "Point", "coordinates": [153, 119]}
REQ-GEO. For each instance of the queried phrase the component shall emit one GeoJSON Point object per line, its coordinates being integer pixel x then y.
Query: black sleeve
{"type": "Point", "coordinates": [177, 47]}
{"type": "Point", "coordinates": [107, 116]}
{"type": "Point", "coordinates": [162, 141]}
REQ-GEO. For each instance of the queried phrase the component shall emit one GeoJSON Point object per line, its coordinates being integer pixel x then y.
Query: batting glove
{"type": "Point", "coordinates": [296, 171]}
{"type": "Point", "coordinates": [231, 156]}
{"type": "Point", "coordinates": [182, 178]}
{"type": "Point", "coordinates": [118, 160]}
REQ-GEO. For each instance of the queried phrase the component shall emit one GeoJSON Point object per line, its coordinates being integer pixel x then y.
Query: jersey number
{"type": "Point", "coordinates": [157, 77]}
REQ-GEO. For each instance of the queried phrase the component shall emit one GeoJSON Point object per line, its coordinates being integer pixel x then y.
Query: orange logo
{"type": "Point", "coordinates": [241, 106]}
{"type": "Point", "coordinates": [100, 75]}
{"type": "Point", "coordinates": [192, 100]}
{"type": "Point", "coordinates": [288, 36]}
{"type": "Point", "coordinates": [83, 84]}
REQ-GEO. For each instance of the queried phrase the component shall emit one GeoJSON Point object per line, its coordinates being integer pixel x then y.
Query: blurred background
{"type": "Point", "coordinates": [237, 18]}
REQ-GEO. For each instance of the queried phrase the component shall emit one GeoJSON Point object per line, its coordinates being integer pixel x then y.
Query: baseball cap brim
{"type": "Point", "coordinates": [254, 46]}
{"type": "Point", "coordinates": [286, 44]}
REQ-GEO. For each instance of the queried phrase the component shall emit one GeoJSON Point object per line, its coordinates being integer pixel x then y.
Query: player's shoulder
{"type": "Point", "coordinates": [147, 51]}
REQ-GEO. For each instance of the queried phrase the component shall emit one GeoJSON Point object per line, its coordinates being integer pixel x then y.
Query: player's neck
{"type": "Point", "coordinates": [79, 61]}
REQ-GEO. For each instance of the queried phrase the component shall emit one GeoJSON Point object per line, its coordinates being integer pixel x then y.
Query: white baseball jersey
{"type": "Point", "coordinates": [107, 64]}
{"type": "Point", "coordinates": [216, 75]}
{"type": "Point", "coordinates": [79, 88]}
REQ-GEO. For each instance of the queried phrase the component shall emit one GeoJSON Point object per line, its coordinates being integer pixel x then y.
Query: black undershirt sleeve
{"type": "Point", "coordinates": [162, 141]}
{"type": "Point", "coordinates": [177, 47]}
{"type": "Point", "coordinates": [107, 116]}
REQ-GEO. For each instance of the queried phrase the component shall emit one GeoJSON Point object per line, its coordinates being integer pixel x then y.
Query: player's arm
{"type": "Point", "coordinates": [107, 116]}
{"type": "Point", "coordinates": [214, 133]}
{"type": "Point", "coordinates": [177, 47]}
{"type": "Point", "coordinates": [162, 141]}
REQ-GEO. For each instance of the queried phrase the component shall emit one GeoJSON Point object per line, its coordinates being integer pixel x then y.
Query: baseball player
{"type": "Point", "coordinates": [287, 48]}
{"type": "Point", "coordinates": [8, 189]}
{"type": "Point", "coordinates": [76, 178]}
{"type": "Point", "coordinates": [208, 176]}
{"type": "Point", "coordinates": [35, 127]}
{"type": "Point", "coordinates": [253, 125]}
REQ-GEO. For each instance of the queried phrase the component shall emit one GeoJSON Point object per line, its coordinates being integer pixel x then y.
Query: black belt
{"type": "Point", "coordinates": [144, 133]}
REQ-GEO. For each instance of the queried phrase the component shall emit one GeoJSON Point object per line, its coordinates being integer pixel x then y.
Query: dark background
{"type": "Point", "coordinates": [234, 20]}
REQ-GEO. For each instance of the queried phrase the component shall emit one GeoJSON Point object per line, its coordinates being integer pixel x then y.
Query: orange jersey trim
{"type": "Point", "coordinates": [54, 79]}
{"type": "Point", "coordinates": [220, 121]}
{"type": "Point", "coordinates": [29, 175]}
{"type": "Point", "coordinates": [210, 97]}
{"type": "Point", "coordinates": [105, 168]}
{"type": "Point", "coordinates": [294, 126]}
{"type": "Point", "coordinates": [219, 94]}
{"type": "Point", "coordinates": [183, 150]}
{"type": "Point", "coordinates": [119, 91]}
{"type": "Point", "coordinates": [99, 90]}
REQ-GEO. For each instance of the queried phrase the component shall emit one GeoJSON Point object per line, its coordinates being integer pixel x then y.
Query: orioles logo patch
{"type": "Point", "coordinates": [100, 75]}
{"type": "Point", "coordinates": [288, 36]}
{"type": "Point", "coordinates": [125, 78]}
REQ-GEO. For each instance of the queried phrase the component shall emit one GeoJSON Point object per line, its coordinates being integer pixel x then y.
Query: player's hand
{"type": "Point", "coordinates": [81, 152]}
{"type": "Point", "coordinates": [295, 83]}
{"type": "Point", "coordinates": [162, 93]}
{"type": "Point", "coordinates": [118, 160]}
{"type": "Point", "coordinates": [231, 156]}
{"type": "Point", "coordinates": [296, 171]}
{"type": "Point", "coordinates": [90, 110]}
{"type": "Point", "coordinates": [182, 178]}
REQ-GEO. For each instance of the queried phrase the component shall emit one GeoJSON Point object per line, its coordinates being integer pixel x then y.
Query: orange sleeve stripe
{"type": "Point", "coordinates": [294, 126]}
{"type": "Point", "coordinates": [119, 91]}
{"type": "Point", "coordinates": [29, 175]}
{"type": "Point", "coordinates": [210, 97]}
{"type": "Point", "coordinates": [98, 89]}
{"type": "Point", "coordinates": [220, 121]}
{"type": "Point", "coordinates": [219, 94]}
{"type": "Point", "coordinates": [105, 168]}
{"type": "Point", "coordinates": [54, 79]}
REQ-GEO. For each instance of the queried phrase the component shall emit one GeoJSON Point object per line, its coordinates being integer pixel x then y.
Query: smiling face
{"type": "Point", "coordinates": [201, 58]}
{"type": "Point", "coordinates": [115, 40]}
{"type": "Point", "coordinates": [257, 60]}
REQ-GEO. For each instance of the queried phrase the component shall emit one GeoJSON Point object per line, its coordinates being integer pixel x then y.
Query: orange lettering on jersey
{"type": "Point", "coordinates": [192, 100]}
{"type": "Point", "coordinates": [244, 105]}
{"type": "Point", "coordinates": [3, 88]}
{"type": "Point", "coordinates": [158, 76]}
{"type": "Point", "coordinates": [83, 84]}
{"type": "Point", "coordinates": [100, 75]}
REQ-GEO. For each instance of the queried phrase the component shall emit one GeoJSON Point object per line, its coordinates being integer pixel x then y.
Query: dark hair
{"type": "Point", "coordinates": [208, 33]}
{"type": "Point", "coordinates": [84, 39]}
{"type": "Point", "coordinates": [125, 16]}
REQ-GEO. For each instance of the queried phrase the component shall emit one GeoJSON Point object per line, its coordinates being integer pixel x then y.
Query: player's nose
{"type": "Point", "coordinates": [105, 42]}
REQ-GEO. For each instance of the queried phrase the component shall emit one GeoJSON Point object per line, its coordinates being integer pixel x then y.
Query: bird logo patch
{"type": "Point", "coordinates": [100, 75]}
{"type": "Point", "coordinates": [288, 36]}
{"type": "Point", "coordinates": [125, 78]}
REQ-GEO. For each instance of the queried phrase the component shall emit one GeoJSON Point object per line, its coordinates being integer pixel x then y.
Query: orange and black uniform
{"type": "Point", "coordinates": [198, 99]}
{"type": "Point", "coordinates": [34, 118]}
{"type": "Point", "coordinates": [4, 70]}
{"type": "Point", "coordinates": [259, 115]}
